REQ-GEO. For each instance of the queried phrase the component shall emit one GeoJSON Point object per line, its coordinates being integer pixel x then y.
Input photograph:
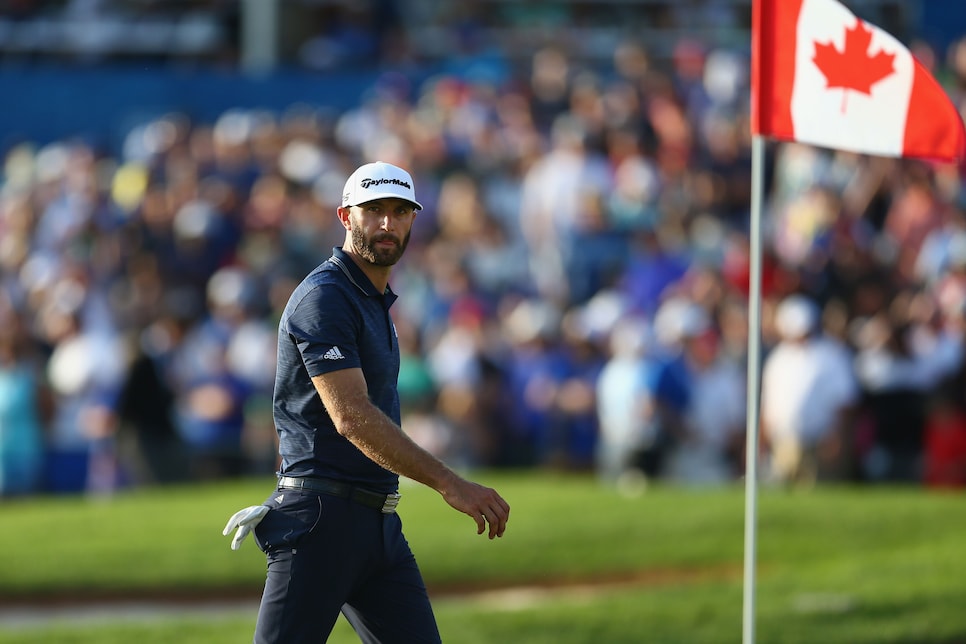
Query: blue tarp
{"type": "Point", "coordinates": [43, 104]}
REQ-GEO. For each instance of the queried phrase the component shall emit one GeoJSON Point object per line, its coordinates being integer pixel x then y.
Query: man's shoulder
{"type": "Point", "coordinates": [326, 282]}
{"type": "Point", "coordinates": [328, 272]}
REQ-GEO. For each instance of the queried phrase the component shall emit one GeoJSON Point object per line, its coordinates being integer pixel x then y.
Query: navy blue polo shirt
{"type": "Point", "coordinates": [335, 319]}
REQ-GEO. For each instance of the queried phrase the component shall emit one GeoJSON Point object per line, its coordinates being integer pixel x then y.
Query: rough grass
{"type": "Point", "coordinates": [582, 564]}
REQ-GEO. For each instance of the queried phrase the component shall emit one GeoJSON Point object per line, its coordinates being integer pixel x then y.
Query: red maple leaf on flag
{"type": "Point", "coordinates": [853, 68]}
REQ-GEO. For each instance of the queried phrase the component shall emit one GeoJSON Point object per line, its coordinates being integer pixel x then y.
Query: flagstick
{"type": "Point", "coordinates": [754, 382]}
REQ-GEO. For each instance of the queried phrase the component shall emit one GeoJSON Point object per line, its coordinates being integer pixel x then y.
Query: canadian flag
{"type": "Point", "coordinates": [824, 77]}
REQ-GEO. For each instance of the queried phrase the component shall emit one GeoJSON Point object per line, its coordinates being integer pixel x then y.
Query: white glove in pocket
{"type": "Point", "coordinates": [245, 521]}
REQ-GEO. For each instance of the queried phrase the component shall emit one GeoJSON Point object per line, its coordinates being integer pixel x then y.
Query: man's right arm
{"type": "Point", "coordinates": [345, 396]}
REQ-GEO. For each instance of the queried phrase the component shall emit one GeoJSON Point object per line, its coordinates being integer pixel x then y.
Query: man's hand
{"type": "Point", "coordinates": [245, 520]}
{"type": "Point", "coordinates": [481, 503]}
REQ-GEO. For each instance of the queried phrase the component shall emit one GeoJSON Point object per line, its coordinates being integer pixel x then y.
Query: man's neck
{"type": "Point", "coordinates": [378, 275]}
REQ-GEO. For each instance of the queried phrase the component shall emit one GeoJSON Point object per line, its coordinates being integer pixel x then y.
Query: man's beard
{"type": "Point", "coordinates": [366, 247]}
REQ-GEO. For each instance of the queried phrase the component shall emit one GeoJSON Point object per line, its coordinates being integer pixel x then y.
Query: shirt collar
{"type": "Point", "coordinates": [356, 276]}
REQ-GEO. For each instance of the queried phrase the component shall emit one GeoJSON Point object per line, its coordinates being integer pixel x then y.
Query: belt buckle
{"type": "Point", "coordinates": [392, 500]}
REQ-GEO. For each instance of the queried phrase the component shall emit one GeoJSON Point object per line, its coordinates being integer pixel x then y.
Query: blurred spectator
{"type": "Point", "coordinates": [712, 430]}
{"type": "Point", "coordinates": [24, 406]}
{"type": "Point", "coordinates": [630, 442]}
{"type": "Point", "coordinates": [686, 389]}
{"type": "Point", "coordinates": [454, 358]}
{"type": "Point", "coordinates": [631, 206]}
{"type": "Point", "coordinates": [808, 397]}
{"type": "Point", "coordinates": [85, 371]}
{"type": "Point", "coordinates": [896, 386]}
{"type": "Point", "coordinates": [651, 269]}
{"type": "Point", "coordinates": [150, 447]}
{"type": "Point", "coordinates": [945, 437]}
{"type": "Point", "coordinates": [212, 418]}
{"type": "Point", "coordinates": [222, 362]}
{"type": "Point", "coordinates": [562, 216]}
{"type": "Point", "coordinates": [676, 322]}
{"type": "Point", "coordinates": [575, 426]}
{"type": "Point", "coordinates": [537, 367]}
{"type": "Point", "coordinates": [550, 83]}
{"type": "Point", "coordinates": [915, 212]}
{"type": "Point", "coordinates": [943, 249]}
{"type": "Point", "coordinates": [419, 400]}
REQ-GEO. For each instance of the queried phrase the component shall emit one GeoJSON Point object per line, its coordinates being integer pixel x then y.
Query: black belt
{"type": "Point", "coordinates": [385, 503]}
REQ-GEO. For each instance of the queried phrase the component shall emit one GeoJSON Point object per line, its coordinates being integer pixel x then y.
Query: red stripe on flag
{"type": "Point", "coordinates": [774, 42]}
{"type": "Point", "coordinates": [930, 131]}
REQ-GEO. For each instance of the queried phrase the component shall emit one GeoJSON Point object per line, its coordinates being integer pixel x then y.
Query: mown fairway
{"type": "Point", "coordinates": [579, 563]}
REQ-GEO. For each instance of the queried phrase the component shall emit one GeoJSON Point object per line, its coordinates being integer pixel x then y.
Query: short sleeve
{"type": "Point", "coordinates": [325, 328]}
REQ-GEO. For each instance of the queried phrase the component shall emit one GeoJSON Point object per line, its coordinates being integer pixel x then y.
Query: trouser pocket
{"type": "Point", "coordinates": [292, 515]}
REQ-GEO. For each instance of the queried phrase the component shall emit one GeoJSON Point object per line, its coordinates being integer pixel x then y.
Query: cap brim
{"type": "Point", "coordinates": [387, 195]}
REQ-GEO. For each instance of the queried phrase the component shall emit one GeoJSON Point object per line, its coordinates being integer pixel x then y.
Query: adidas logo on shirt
{"type": "Point", "coordinates": [333, 354]}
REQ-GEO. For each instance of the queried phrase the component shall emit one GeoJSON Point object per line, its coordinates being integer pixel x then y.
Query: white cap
{"type": "Point", "coordinates": [379, 180]}
{"type": "Point", "coordinates": [678, 319]}
{"type": "Point", "coordinates": [796, 316]}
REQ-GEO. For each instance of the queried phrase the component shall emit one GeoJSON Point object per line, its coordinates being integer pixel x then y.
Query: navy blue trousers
{"type": "Point", "coordinates": [327, 555]}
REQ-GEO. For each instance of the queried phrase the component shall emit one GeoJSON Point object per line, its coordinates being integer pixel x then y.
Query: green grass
{"type": "Point", "coordinates": [847, 565]}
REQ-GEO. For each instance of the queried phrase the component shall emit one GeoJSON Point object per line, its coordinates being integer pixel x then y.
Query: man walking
{"type": "Point", "coordinates": [329, 531]}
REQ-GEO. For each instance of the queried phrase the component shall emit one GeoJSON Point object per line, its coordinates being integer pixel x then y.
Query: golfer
{"type": "Point", "coordinates": [330, 531]}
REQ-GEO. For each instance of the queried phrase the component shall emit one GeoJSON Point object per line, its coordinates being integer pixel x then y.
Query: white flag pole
{"type": "Point", "coordinates": [754, 386]}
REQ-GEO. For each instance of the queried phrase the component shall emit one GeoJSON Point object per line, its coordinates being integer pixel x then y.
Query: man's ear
{"type": "Point", "coordinates": [344, 218]}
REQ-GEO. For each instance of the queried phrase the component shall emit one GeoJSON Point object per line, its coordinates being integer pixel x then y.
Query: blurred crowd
{"type": "Point", "coordinates": [575, 294]}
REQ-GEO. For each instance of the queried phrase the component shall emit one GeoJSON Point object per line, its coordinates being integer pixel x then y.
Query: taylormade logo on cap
{"type": "Point", "coordinates": [379, 180]}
